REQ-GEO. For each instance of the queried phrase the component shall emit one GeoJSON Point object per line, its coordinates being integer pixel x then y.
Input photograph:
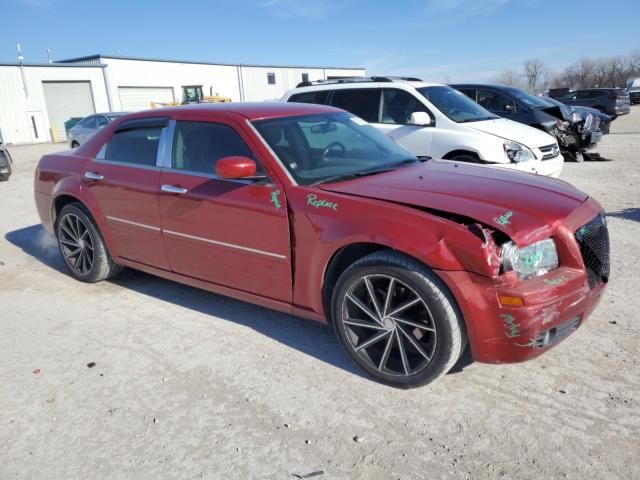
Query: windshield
{"type": "Point", "coordinates": [527, 98]}
{"type": "Point", "coordinates": [455, 105]}
{"type": "Point", "coordinates": [566, 110]}
{"type": "Point", "coordinates": [316, 148]}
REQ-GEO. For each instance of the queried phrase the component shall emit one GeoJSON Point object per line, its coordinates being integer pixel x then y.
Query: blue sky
{"type": "Point", "coordinates": [438, 40]}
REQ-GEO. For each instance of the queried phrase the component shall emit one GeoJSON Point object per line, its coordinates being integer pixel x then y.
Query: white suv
{"type": "Point", "coordinates": [437, 121]}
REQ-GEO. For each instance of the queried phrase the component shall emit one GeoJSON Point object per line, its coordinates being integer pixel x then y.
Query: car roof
{"type": "Point", "coordinates": [250, 110]}
{"type": "Point", "coordinates": [498, 86]}
{"type": "Point", "coordinates": [363, 84]}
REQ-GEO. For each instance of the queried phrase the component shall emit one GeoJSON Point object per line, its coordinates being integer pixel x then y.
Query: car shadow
{"type": "Point", "coordinates": [595, 157]}
{"type": "Point", "coordinates": [631, 213]}
{"type": "Point", "coordinates": [309, 337]}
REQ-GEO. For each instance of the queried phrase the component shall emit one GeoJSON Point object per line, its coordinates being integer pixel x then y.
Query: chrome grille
{"type": "Point", "coordinates": [550, 151]}
{"type": "Point", "coordinates": [593, 239]}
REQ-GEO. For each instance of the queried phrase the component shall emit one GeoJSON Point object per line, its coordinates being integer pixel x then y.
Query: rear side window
{"type": "Point", "coordinates": [137, 146]}
{"type": "Point", "coordinates": [310, 97]}
{"type": "Point", "coordinates": [469, 92]}
{"type": "Point", "coordinates": [197, 146]}
{"type": "Point", "coordinates": [363, 102]}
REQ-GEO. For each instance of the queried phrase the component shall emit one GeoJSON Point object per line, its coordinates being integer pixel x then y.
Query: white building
{"type": "Point", "coordinates": [37, 99]}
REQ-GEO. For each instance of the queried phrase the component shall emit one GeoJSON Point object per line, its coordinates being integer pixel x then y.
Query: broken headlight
{"type": "Point", "coordinates": [517, 152]}
{"type": "Point", "coordinates": [531, 261]}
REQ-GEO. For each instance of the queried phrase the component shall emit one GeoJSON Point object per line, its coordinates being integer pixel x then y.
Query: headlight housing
{"type": "Point", "coordinates": [575, 117]}
{"type": "Point", "coordinates": [517, 152]}
{"type": "Point", "coordinates": [531, 261]}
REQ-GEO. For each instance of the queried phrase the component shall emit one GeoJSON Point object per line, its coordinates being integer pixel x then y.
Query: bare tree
{"type": "Point", "coordinates": [535, 72]}
{"type": "Point", "coordinates": [509, 77]}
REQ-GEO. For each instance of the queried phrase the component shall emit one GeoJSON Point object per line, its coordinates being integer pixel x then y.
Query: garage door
{"type": "Point", "coordinates": [133, 99]}
{"type": "Point", "coordinates": [65, 100]}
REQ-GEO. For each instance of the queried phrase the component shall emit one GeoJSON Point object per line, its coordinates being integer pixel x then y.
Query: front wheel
{"type": "Point", "coordinates": [82, 246]}
{"type": "Point", "coordinates": [397, 320]}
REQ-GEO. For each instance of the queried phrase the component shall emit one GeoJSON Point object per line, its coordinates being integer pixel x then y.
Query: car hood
{"type": "Point", "coordinates": [510, 130]}
{"type": "Point", "coordinates": [526, 207]}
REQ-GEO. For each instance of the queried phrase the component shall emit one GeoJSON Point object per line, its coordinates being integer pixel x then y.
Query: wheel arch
{"type": "Point", "coordinates": [338, 263]}
{"type": "Point", "coordinates": [453, 153]}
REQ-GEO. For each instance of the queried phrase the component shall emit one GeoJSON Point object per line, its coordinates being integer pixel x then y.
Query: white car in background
{"type": "Point", "coordinates": [437, 121]}
{"type": "Point", "coordinates": [85, 128]}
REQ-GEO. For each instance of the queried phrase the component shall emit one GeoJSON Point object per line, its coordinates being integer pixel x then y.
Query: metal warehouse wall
{"type": "Point", "coordinates": [257, 88]}
{"type": "Point", "coordinates": [142, 73]}
{"type": "Point", "coordinates": [15, 102]}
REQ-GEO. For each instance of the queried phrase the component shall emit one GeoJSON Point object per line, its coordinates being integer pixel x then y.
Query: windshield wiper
{"type": "Point", "coordinates": [480, 119]}
{"type": "Point", "coordinates": [364, 173]}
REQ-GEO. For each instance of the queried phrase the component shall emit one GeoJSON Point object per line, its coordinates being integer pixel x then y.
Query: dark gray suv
{"type": "Point", "coordinates": [612, 101]}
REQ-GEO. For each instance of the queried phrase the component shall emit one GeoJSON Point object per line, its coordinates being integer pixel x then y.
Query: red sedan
{"type": "Point", "coordinates": [308, 210]}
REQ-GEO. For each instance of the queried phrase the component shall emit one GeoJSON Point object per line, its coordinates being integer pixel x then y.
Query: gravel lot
{"type": "Point", "coordinates": [188, 384]}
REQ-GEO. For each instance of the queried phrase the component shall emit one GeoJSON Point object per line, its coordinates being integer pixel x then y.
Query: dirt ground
{"type": "Point", "coordinates": [188, 384]}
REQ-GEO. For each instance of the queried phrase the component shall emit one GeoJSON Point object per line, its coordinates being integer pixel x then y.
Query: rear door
{"type": "Point", "coordinates": [233, 233]}
{"type": "Point", "coordinates": [124, 180]}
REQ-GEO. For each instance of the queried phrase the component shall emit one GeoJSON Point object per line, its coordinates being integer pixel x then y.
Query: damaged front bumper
{"type": "Point", "coordinates": [554, 307]}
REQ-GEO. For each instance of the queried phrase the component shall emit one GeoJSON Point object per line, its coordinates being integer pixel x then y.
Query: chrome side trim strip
{"type": "Point", "coordinates": [129, 222]}
{"type": "Point", "coordinates": [223, 244]}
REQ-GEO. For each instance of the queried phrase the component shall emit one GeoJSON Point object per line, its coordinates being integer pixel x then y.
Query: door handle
{"type": "Point", "coordinates": [93, 176]}
{"type": "Point", "coordinates": [173, 189]}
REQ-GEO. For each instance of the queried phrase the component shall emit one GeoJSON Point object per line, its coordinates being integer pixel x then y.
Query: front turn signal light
{"type": "Point", "coordinates": [510, 301]}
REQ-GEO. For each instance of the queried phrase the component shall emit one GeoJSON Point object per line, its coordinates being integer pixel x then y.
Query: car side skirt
{"type": "Point", "coordinates": [226, 291]}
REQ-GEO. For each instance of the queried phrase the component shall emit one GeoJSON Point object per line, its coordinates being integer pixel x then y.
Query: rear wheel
{"type": "Point", "coordinates": [397, 320]}
{"type": "Point", "coordinates": [74, 144]}
{"type": "Point", "coordinates": [82, 246]}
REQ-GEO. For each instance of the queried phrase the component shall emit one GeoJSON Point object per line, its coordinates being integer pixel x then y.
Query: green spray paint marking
{"type": "Point", "coordinates": [555, 281]}
{"type": "Point", "coordinates": [532, 260]}
{"type": "Point", "coordinates": [511, 327]}
{"type": "Point", "coordinates": [312, 199]}
{"type": "Point", "coordinates": [504, 218]}
{"type": "Point", "coordinates": [275, 200]}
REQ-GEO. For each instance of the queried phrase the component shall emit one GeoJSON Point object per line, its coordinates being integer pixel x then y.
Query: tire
{"type": "Point", "coordinates": [466, 157]}
{"type": "Point", "coordinates": [77, 232]}
{"type": "Point", "coordinates": [74, 144]}
{"type": "Point", "coordinates": [372, 340]}
{"type": "Point", "coordinates": [5, 159]}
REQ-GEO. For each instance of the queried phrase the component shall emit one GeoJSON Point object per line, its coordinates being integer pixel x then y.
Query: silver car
{"type": "Point", "coordinates": [85, 128]}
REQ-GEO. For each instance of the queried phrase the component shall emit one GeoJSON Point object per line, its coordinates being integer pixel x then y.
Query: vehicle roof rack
{"type": "Point", "coordinates": [379, 79]}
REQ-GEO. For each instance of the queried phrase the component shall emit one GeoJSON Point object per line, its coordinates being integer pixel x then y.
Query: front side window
{"type": "Point", "coordinates": [101, 121]}
{"type": "Point", "coordinates": [271, 78]}
{"type": "Point", "coordinates": [398, 106]}
{"type": "Point", "coordinates": [89, 122]}
{"type": "Point", "coordinates": [527, 99]}
{"type": "Point", "coordinates": [495, 101]}
{"type": "Point", "coordinates": [362, 102]}
{"type": "Point", "coordinates": [455, 105]}
{"type": "Point", "coordinates": [137, 146]}
{"type": "Point", "coordinates": [328, 146]}
{"type": "Point", "coordinates": [197, 146]}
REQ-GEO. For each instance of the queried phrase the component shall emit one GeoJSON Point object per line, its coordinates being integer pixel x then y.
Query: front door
{"type": "Point", "coordinates": [233, 233]}
{"type": "Point", "coordinates": [124, 181]}
{"type": "Point", "coordinates": [397, 107]}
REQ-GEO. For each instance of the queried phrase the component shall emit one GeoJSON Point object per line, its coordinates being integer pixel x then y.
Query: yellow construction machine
{"type": "Point", "coordinates": [193, 94]}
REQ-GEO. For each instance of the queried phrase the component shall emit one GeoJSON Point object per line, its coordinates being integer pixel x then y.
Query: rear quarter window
{"type": "Point", "coordinates": [310, 97]}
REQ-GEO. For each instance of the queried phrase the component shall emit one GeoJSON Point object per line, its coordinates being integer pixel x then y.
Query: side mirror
{"type": "Point", "coordinates": [235, 167]}
{"type": "Point", "coordinates": [421, 119]}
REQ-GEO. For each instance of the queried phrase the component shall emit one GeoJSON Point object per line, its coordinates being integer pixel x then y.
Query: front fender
{"type": "Point", "coordinates": [320, 232]}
